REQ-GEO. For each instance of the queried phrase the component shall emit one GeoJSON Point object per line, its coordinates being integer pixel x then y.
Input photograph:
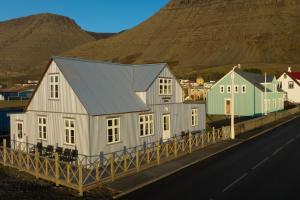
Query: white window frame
{"type": "Point", "coordinates": [68, 130]}
{"type": "Point", "coordinates": [165, 86]}
{"type": "Point", "coordinates": [54, 86]}
{"type": "Point", "coordinates": [228, 88]}
{"type": "Point", "coordinates": [292, 84]}
{"type": "Point", "coordinates": [146, 125]}
{"type": "Point", "coordinates": [222, 89]}
{"type": "Point", "coordinates": [195, 117]}
{"type": "Point", "coordinates": [42, 127]}
{"type": "Point", "coordinates": [236, 89]}
{"type": "Point", "coordinates": [113, 127]}
{"type": "Point", "coordinates": [244, 89]}
{"type": "Point", "coordinates": [20, 132]}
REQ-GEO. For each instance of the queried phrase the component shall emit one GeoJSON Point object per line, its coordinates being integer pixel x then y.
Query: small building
{"type": "Point", "coordinates": [5, 119]}
{"type": "Point", "coordinates": [103, 107]}
{"type": "Point", "coordinates": [252, 95]}
{"type": "Point", "coordinates": [290, 83]}
{"type": "Point", "coordinates": [16, 92]}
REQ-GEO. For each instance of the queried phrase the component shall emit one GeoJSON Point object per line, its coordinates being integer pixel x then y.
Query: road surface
{"type": "Point", "coordinates": [267, 167]}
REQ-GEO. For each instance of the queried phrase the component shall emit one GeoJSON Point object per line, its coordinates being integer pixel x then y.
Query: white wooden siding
{"type": "Point", "coordinates": [68, 101]}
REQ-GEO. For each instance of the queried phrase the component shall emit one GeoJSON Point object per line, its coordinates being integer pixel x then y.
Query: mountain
{"type": "Point", "coordinates": [27, 43]}
{"type": "Point", "coordinates": [100, 36]}
{"type": "Point", "coordinates": [209, 35]}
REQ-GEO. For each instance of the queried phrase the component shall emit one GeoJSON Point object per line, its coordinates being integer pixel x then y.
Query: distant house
{"type": "Point", "coordinates": [103, 107]}
{"type": "Point", "coordinates": [290, 83]}
{"type": "Point", "coordinates": [251, 95]}
{"type": "Point", "coordinates": [16, 92]}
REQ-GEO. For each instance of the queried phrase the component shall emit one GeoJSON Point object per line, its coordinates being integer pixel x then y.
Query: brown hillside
{"type": "Point", "coordinates": [27, 43]}
{"type": "Point", "coordinates": [194, 35]}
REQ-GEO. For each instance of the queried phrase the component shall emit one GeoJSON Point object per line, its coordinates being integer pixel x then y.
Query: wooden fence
{"type": "Point", "coordinates": [105, 168]}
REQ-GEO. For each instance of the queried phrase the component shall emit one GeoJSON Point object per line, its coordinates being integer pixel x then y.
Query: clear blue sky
{"type": "Point", "coordinates": [91, 15]}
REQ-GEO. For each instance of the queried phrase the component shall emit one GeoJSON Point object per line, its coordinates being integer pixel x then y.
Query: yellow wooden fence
{"type": "Point", "coordinates": [84, 177]}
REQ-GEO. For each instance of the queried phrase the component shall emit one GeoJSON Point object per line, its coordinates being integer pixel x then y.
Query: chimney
{"type": "Point", "coordinates": [289, 69]}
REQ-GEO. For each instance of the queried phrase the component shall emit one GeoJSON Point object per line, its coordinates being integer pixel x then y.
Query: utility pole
{"type": "Point", "coordinates": [232, 132]}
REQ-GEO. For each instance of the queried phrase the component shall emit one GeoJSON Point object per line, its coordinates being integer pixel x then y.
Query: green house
{"type": "Point", "coordinates": [253, 95]}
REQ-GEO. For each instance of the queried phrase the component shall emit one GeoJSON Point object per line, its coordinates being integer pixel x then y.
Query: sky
{"type": "Point", "coordinates": [91, 15]}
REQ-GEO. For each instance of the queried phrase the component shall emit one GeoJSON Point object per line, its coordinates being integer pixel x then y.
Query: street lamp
{"type": "Point", "coordinates": [232, 133]}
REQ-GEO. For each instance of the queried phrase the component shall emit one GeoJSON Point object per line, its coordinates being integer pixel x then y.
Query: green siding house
{"type": "Point", "coordinates": [251, 98]}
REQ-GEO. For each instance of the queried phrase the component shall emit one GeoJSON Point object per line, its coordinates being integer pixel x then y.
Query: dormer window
{"type": "Point", "coordinates": [165, 86]}
{"type": "Point", "coordinates": [54, 86]}
{"type": "Point", "coordinates": [291, 84]}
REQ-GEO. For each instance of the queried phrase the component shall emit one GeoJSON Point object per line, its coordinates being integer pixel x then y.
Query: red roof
{"type": "Point", "coordinates": [294, 75]}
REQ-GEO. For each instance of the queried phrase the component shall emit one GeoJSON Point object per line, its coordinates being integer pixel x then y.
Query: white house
{"type": "Point", "coordinates": [101, 107]}
{"type": "Point", "coordinates": [290, 83]}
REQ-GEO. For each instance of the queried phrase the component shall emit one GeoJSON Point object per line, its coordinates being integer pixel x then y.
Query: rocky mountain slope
{"type": "Point", "coordinates": [193, 35]}
{"type": "Point", "coordinates": [27, 43]}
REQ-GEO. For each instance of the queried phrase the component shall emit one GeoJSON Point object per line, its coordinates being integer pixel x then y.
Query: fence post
{"type": "Point", "coordinates": [19, 157]}
{"type": "Point", "coordinates": [208, 137]}
{"type": "Point", "coordinates": [167, 150]}
{"type": "Point", "coordinates": [4, 152]}
{"type": "Point", "coordinates": [137, 161]}
{"type": "Point", "coordinates": [190, 142]}
{"type": "Point", "coordinates": [175, 147]}
{"type": "Point", "coordinates": [112, 168]}
{"type": "Point", "coordinates": [36, 158]}
{"type": "Point", "coordinates": [197, 140]}
{"type": "Point", "coordinates": [56, 170]}
{"type": "Point", "coordinates": [80, 179]}
{"type": "Point", "coordinates": [214, 135]}
{"type": "Point", "coordinates": [97, 171]}
{"type": "Point", "coordinates": [27, 161]}
{"type": "Point", "coordinates": [202, 140]}
{"type": "Point", "coordinates": [158, 154]}
{"type": "Point", "coordinates": [68, 172]}
{"type": "Point", "coordinates": [46, 167]}
{"type": "Point", "coordinates": [148, 155]}
{"type": "Point", "coordinates": [125, 156]}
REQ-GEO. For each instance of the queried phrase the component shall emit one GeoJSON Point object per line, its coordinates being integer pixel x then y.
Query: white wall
{"type": "Point", "coordinates": [293, 95]}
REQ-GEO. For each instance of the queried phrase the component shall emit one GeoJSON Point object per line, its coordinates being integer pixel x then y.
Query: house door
{"type": "Point", "coordinates": [227, 106]}
{"type": "Point", "coordinates": [20, 135]}
{"type": "Point", "coordinates": [166, 123]}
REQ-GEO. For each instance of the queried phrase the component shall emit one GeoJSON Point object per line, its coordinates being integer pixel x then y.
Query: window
{"type": "Point", "coordinates": [54, 86]}
{"type": "Point", "coordinates": [42, 128]}
{"type": "Point", "coordinates": [20, 130]}
{"type": "Point", "coordinates": [284, 76]}
{"type": "Point", "coordinates": [69, 131]}
{"type": "Point", "coordinates": [113, 130]}
{"type": "Point", "coordinates": [165, 86]}
{"type": "Point", "coordinates": [244, 89]}
{"type": "Point", "coordinates": [195, 117]}
{"type": "Point", "coordinates": [221, 88]}
{"type": "Point", "coordinates": [228, 89]}
{"type": "Point", "coordinates": [291, 84]}
{"type": "Point", "coordinates": [280, 84]}
{"type": "Point", "coordinates": [236, 89]}
{"type": "Point", "coordinates": [146, 125]}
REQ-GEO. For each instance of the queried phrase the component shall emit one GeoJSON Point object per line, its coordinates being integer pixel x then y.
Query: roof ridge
{"type": "Point", "coordinates": [104, 62]}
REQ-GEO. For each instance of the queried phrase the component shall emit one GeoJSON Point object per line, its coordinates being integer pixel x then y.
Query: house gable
{"type": "Point", "coordinates": [153, 97]}
{"type": "Point", "coordinates": [67, 102]}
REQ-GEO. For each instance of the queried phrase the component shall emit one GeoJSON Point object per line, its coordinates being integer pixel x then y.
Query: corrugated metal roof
{"type": "Point", "coordinates": [108, 88]}
{"type": "Point", "coordinates": [256, 79]}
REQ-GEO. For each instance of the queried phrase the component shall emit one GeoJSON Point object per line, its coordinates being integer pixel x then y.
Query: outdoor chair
{"type": "Point", "coordinates": [49, 151]}
{"type": "Point", "coordinates": [74, 155]}
{"type": "Point", "coordinates": [66, 156]}
{"type": "Point", "coordinates": [59, 151]}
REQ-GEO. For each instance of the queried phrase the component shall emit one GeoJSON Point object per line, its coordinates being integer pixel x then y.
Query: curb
{"type": "Point", "coordinates": [201, 159]}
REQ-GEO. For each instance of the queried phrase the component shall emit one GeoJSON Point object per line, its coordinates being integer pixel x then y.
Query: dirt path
{"type": "Point", "coordinates": [18, 185]}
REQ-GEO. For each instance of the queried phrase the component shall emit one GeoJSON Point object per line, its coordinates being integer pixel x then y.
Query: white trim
{"type": "Point", "coordinates": [43, 126]}
{"type": "Point", "coordinates": [195, 117]}
{"type": "Point", "coordinates": [21, 131]}
{"type": "Point", "coordinates": [113, 127]}
{"type": "Point", "coordinates": [225, 100]}
{"type": "Point", "coordinates": [54, 89]}
{"type": "Point", "coordinates": [145, 123]}
{"type": "Point", "coordinates": [69, 129]}
{"type": "Point", "coordinates": [222, 87]}
{"type": "Point", "coordinates": [242, 89]}
{"type": "Point", "coordinates": [166, 82]}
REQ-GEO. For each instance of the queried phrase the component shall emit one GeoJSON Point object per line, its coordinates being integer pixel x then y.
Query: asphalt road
{"type": "Point", "coordinates": [267, 167]}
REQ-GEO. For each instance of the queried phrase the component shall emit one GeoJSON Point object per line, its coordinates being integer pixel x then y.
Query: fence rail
{"type": "Point", "coordinates": [82, 176]}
